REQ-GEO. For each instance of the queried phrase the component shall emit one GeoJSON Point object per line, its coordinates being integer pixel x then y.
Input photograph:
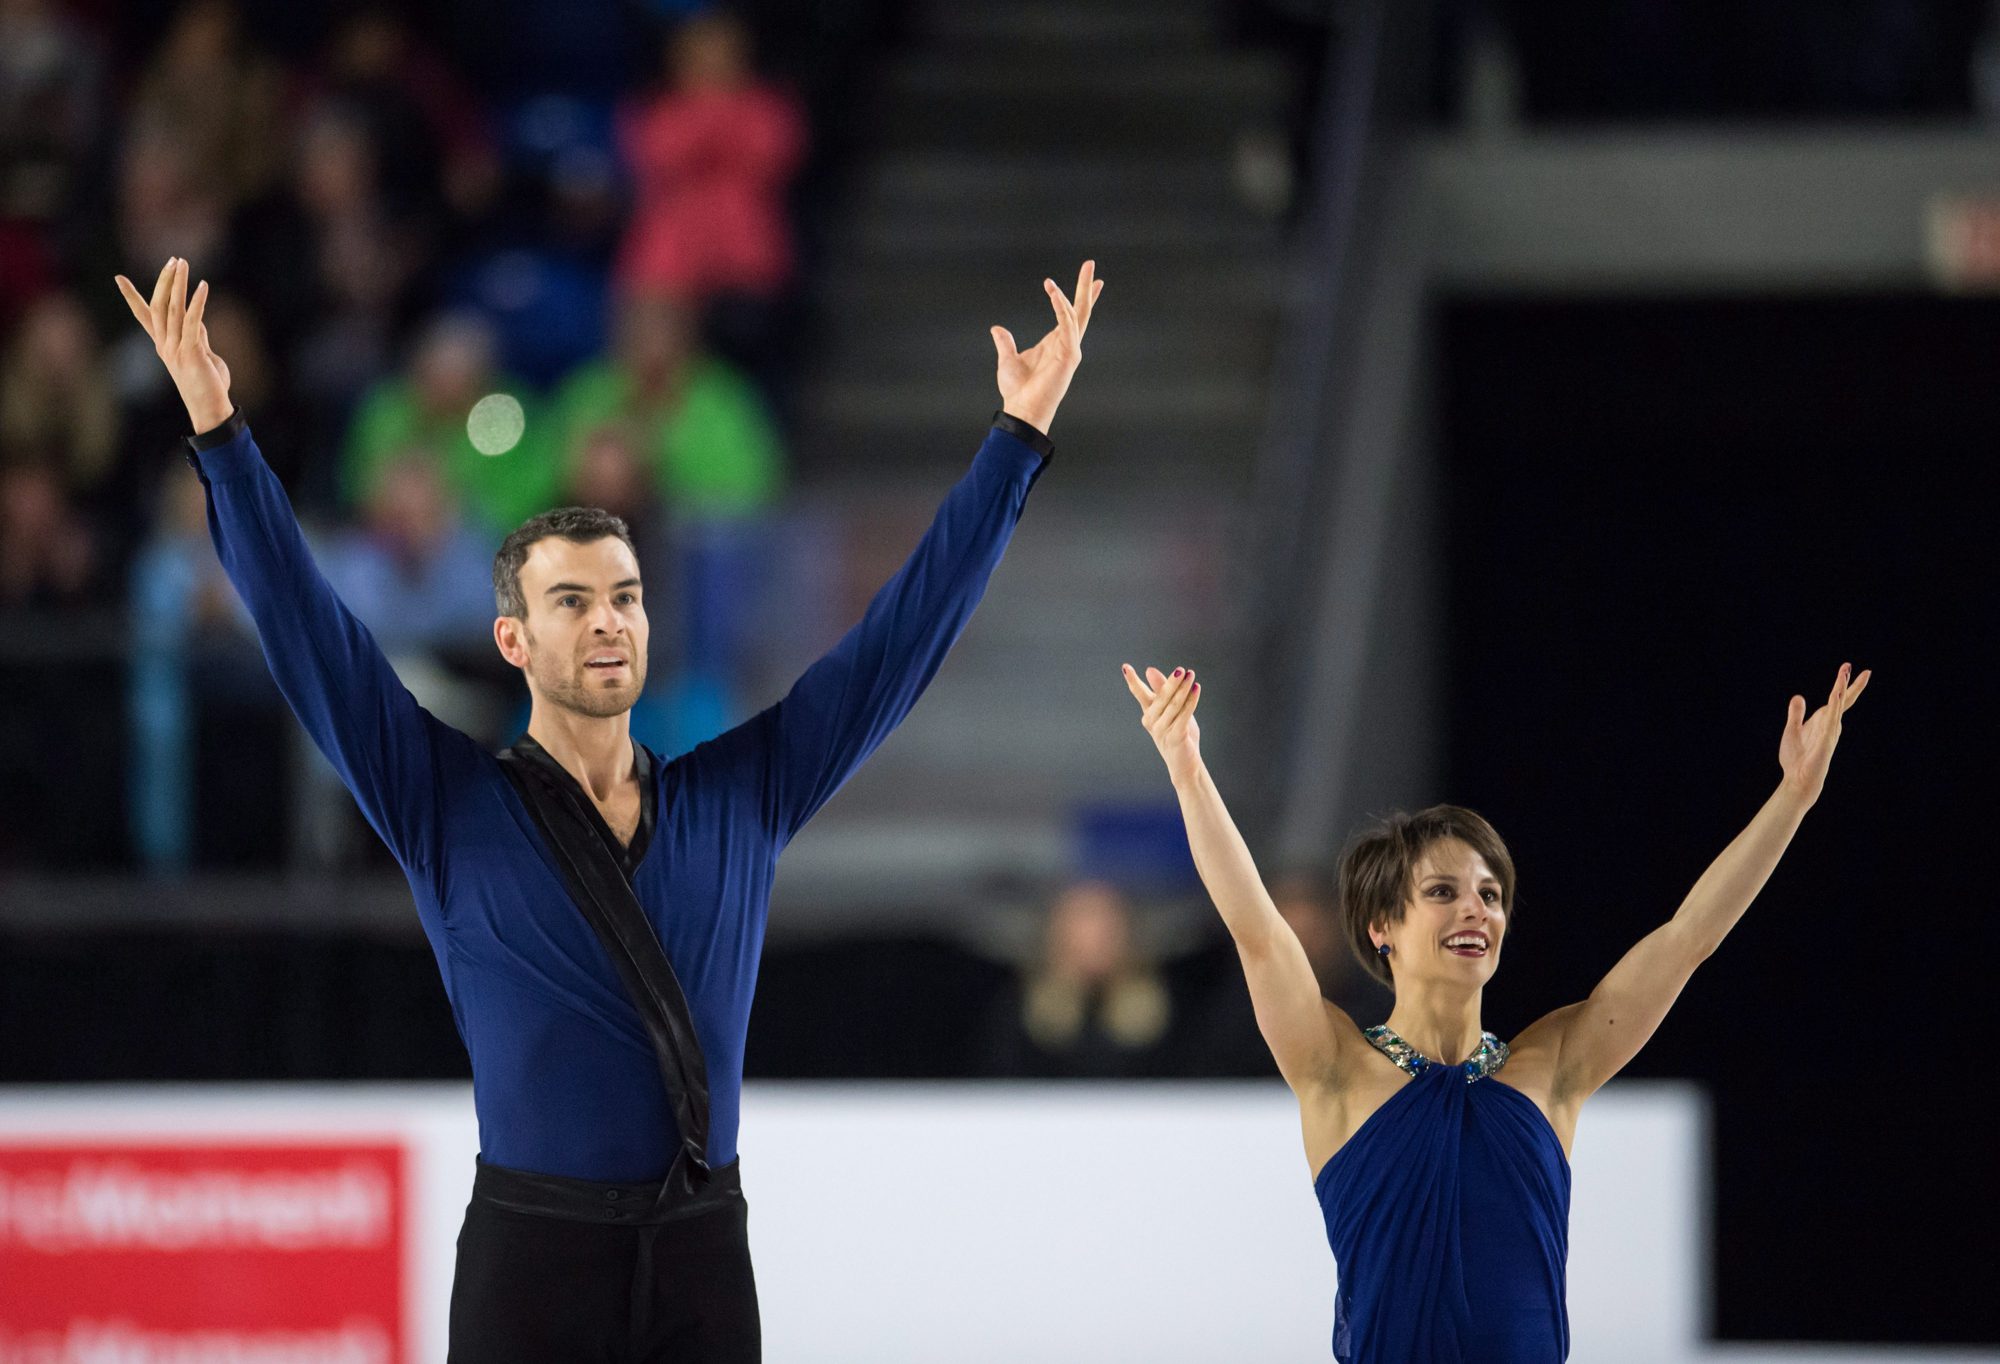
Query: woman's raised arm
{"type": "Point", "coordinates": [1303, 1029]}
{"type": "Point", "coordinates": [1593, 1041]}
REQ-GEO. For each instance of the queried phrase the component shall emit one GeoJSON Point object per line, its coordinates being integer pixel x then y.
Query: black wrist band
{"type": "Point", "coordinates": [1024, 433]}
{"type": "Point", "coordinates": [221, 435]}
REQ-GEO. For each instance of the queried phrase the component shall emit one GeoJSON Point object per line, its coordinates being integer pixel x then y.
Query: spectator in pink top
{"type": "Point", "coordinates": [710, 161]}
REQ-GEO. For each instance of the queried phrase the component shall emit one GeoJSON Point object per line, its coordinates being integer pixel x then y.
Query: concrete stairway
{"type": "Point", "coordinates": [1014, 138]}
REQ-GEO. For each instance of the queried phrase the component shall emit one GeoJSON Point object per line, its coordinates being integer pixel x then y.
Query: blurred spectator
{"type": "Point", "coordinates": [1222, 1036]}
{"type": "Point", "coordinates": [418, 577]}
{"type": "Point", "coordinates": [156, 421]}
{"type": "Point", "coordinates": [214, 99]}
{"type": "Point", "coordinates": [607, 468]}
{"type": "Point", "coordinates": [235, 331]}
{"type": "Point", "coordinates": [1310, 903]}
{"type": "Point", "coordinates": [547, 308]}
{"type": "Point", "coordinates": [333, 216]}
{"type": "Point", "coordinates": [57, 403]}
{"type": "Point", "coordinates": [49, 108]}
{"type": "Point", "coordinates": [26, 266]}
{"type": "Point", "coordinates": [48, 553]}
{"type": "Point", "coordinates": [711, 454]}
{"type": "Point", "coordinates": [331, 267]}
{"type": "Point", "coordinates": [429, 130]}
{"type": "Point", "coordinates": [711, 161]}
{"type": "Point", "coordinates": [58, 432]}
{"type": "Point", "coordinates": [185, 617]}
{"type": "Point", "coordinates": [1093, 1006]}
{"type": "Point", "coordinates": [421, 580]}
{"type": "Point", "coordinates": [158, 213]}
{"type": "Point", "coordinates": [569, 147]}
{"type": "Point", "coordinates": [687, 699]}
{"type": "Point", "coordinates": [167, 206]}
{"type": "Point", "coordinates": [428, 410]}
{"type": "Point", "coordinates": [563, 173]}
{"type": "Point", "coordinates": [709, 444]}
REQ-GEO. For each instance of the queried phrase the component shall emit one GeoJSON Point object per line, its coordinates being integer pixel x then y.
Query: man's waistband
{"type": "Point", "coordinates": [683, 1193]}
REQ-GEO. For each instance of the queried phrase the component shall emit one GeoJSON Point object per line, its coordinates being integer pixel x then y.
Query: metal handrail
{"type": "Point", "coordinates": [1374, 66]}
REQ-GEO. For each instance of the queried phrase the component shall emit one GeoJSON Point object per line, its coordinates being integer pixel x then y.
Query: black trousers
{"type": "Point", "coordinates": [567, 1271]}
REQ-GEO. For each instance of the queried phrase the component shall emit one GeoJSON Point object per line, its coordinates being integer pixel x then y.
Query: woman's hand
{"type": "Point", "coordinates": [180, 337]}
{"type": "Point", "coordinates": [1167, 707]}
{"type": "Point", "coordinates": [1032, 382]}
{"type": "Point", "coordinates": [1806, 750]}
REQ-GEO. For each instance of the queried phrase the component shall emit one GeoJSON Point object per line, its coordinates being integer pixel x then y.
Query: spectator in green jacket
{"type": "Point", "coordinates": [709, 442]}
{"type": "Point", "coordinates": [495, 450]}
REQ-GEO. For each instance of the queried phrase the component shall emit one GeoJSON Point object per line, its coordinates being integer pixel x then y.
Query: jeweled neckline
{"type": "Point", "coordinates": [1490, 1056]}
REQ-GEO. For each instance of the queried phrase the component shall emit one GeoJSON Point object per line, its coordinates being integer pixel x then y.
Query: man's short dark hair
{"type": "Point", "coordinates": [579, 525]}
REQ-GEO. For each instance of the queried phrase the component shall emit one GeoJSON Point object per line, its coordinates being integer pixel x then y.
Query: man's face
{"type": "Point", "coordinates": [585, 633]}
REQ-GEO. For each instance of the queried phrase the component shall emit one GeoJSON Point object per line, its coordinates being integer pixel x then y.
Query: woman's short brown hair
{"type": "Point", "coordinates": [1379, 869]}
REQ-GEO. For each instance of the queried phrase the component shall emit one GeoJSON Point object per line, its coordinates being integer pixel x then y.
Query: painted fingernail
{"type": "Point", "coordinates": [1177, 672]}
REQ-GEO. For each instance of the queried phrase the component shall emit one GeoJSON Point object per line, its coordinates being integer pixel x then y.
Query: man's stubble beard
{"type": "Point", "coordinates": [573, 693]}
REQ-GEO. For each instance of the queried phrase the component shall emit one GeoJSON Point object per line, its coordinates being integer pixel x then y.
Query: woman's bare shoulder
{"type": "Point", "coordinates": [1359, 1083]}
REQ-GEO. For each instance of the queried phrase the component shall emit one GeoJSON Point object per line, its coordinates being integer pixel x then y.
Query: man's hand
{"type": "Point", "coordinates": [1032, 382]}
{"type": "Point", "coordinates": [173, 323]}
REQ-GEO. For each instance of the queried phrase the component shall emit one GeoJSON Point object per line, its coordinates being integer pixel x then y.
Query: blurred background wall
{"type": "Point", "coordinates": [1510, 404]}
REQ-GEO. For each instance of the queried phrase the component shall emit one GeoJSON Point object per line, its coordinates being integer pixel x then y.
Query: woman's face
{"type": "Point", "coordinates": [1453, 921]}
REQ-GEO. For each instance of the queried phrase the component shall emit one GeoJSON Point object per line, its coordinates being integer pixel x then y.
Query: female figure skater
{"type": "Point", "coordinates": [1444, 1181]}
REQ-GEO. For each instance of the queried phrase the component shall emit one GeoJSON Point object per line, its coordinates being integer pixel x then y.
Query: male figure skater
{"type": "Point", "coordinates": [607, 1219]}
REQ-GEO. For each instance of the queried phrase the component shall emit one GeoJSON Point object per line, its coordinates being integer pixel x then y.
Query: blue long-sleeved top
{"type": "Point", "coordinates": [564, 1079]}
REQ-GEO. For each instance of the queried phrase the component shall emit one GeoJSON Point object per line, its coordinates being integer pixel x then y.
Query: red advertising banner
{"type": "Point", "coordinates": [280, 1253]}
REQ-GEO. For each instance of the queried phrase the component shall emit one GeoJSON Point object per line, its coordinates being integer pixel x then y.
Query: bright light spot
{"type": "Point", "coordinates": [496, 424]}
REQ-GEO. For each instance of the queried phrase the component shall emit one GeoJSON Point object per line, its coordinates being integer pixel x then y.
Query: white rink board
{"type": "Point", "coordinates": [975, 1223]}
{"type": "Point", "coordinates": [1161, 1223]}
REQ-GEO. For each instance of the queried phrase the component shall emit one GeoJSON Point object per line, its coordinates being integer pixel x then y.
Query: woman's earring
{"type": "Point", "coordinates": [1383, 949]}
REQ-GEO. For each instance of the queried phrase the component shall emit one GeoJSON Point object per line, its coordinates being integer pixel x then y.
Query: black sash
{"type": "Point", "coordinates": [602, 890]}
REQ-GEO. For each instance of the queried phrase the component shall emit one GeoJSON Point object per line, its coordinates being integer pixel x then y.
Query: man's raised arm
{"type": "Point", "coordinates": [323, 659]}
{"type": "Point", "coordinates": [844, 705]}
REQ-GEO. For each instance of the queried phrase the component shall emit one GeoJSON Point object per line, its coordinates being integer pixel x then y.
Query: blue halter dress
{"type": "Point", "coordinates": [1448, 1213]}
